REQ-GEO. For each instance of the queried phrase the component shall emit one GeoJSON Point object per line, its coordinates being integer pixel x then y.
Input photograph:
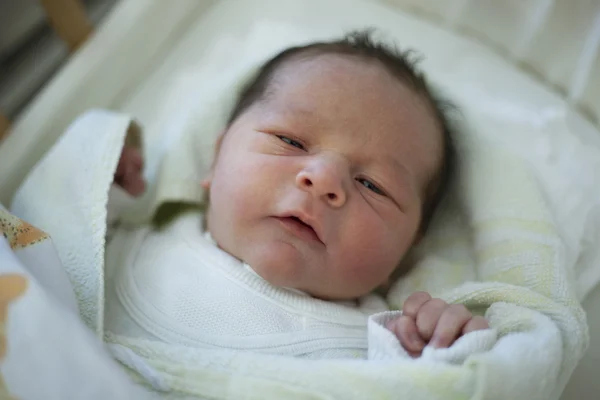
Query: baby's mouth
{"type": "Point", "coordinates": [299, 228]}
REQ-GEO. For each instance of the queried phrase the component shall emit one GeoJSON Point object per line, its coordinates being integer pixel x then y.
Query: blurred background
{"type": "Point", "coordinates": [30, 50]}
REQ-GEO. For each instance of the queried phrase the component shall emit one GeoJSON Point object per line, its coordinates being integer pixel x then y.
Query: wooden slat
{"type": "Point", "coordinates": [69, 20]}
{"type": "Point", "coordinates": [4, 125]}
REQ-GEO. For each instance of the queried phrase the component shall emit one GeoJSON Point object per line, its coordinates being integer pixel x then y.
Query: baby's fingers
{"type": "Point", "coordinates": [405, 330]}
{"type": "Point", "coordinates": [414, 302]}
{"type": "Point", "coordinates": [428, 316]}
{"type": "Point", "coordinates": [475, 324]}
{"type": "Point", "coordinates": [450, 325]}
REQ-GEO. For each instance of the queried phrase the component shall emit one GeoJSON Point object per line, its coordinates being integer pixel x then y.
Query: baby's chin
{"type": "Point", "coordinates": [280, 264]}
{"type": "Point", "coordinates": [283, 265]}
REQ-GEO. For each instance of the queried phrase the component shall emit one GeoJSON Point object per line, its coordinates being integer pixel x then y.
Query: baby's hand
{"type": "Point", "coordinates": [129, 171]}
{"type": "Point", "coordinates": [428, 321]}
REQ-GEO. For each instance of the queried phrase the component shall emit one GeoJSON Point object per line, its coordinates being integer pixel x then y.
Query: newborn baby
{"type": "Point", "coordinates": [332, 164]}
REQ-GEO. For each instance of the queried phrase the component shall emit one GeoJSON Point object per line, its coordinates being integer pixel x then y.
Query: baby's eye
{"type": "Point", "coordinates": [291, 142]}
{"type": "Point", "coordinates": [371, 186]}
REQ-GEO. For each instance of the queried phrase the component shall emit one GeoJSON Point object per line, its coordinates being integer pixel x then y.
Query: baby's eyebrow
{"type": "Point", "coordinates": [302, 118]}
{"type": "Point", "coordinates": [397, 166]}
{"type": "Point", "coordinates": [297, 112]}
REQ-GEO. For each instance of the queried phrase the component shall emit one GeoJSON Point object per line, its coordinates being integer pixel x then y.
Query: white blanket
{"type": "Point", "coordinates": [525, 291]}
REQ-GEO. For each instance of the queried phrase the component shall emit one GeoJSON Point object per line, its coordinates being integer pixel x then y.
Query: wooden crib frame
{"type": "Point", "coordinates": [70, 22]}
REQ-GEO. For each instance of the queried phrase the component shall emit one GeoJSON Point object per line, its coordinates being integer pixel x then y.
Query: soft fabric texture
{"type": "Point", "coordinates": [526, 294]}
{"type": "Point", "coordinates": [76, 169]}
{"type": "Point", "coordinates": [177, 287]}
{"type": "Point", "coordinates": [46, 352]}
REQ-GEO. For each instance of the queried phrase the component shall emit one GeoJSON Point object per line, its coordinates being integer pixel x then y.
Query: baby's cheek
{"type": "Point", "coordinates": [376, 254]}
{"type": "Point", "coordinates": [368, 266]}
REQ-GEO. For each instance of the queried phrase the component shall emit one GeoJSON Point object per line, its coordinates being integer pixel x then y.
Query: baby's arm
{"type": "Point", "coordinates": [428, 321]}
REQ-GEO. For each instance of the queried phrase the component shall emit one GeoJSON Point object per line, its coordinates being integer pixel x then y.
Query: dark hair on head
{"type": "Point", "coordinates": [401, 64]}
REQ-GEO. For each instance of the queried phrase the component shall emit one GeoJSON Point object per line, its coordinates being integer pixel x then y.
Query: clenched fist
{"type": "Point", "coordinates": [428, 321]}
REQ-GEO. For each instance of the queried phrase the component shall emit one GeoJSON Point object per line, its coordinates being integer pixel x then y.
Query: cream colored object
{"type": "Point", "coordinates": [558, 40]}
{"type": "Point", "coordinates": [95, 163]}
{"type": "Point", "coordinates": [47, 352]}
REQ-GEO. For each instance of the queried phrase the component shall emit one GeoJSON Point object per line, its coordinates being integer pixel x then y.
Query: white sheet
{"type": "Point", "coordinates": [541, 327]}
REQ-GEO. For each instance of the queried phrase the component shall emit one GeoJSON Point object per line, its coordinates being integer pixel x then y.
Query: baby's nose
{"type": "Point", "coordinates": [324, 179]}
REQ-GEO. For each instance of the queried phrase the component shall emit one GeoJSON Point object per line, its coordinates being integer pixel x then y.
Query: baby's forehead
{"type": "Point", "coordinates": [350, 81]}
{"type": "Point", "coordinates": [344, 89]}
{"type": "Point", "coordinates": [306, 68]}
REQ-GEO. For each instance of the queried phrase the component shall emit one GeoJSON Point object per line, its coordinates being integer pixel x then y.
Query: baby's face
{"type": "Point", "coordinates": [319, 187]}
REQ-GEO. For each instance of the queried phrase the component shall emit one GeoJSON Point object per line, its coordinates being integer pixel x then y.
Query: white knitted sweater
{"type": "Point", "coordinates": [177, 287]}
